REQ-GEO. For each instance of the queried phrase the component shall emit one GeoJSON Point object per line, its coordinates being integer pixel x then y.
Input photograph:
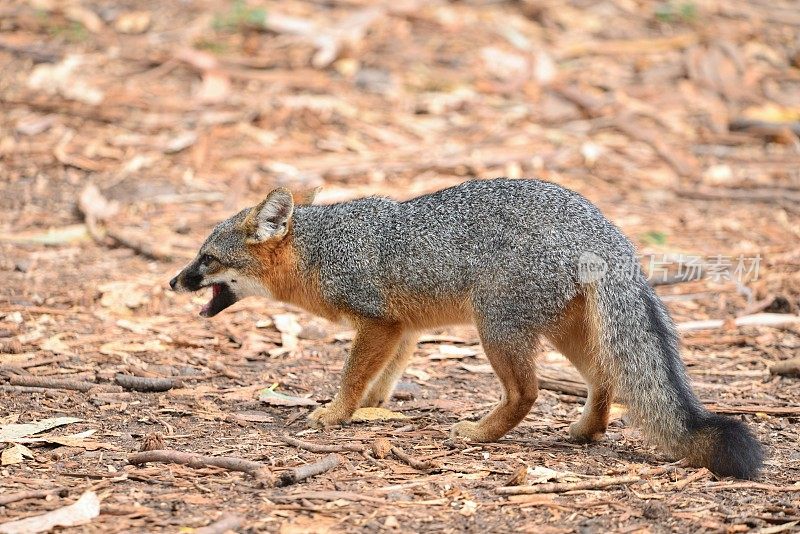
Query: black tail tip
{"type": "Point", "coordinates": [727, 447]}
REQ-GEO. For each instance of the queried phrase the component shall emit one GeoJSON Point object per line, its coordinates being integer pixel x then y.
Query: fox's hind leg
{"type": "Point", "coordinates": [516, 368]}
{"type": "Point", "coordinates": [573, 337]}
{"type": "Point", "coordinates": [375, 344]}
{"type": "Point", "coordinates": [381, 388]}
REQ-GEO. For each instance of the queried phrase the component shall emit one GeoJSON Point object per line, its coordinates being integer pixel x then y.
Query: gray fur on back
{"type": "Point", "coordinates": [512, 246]}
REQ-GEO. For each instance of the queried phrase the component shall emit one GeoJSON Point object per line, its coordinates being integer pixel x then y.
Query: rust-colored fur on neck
{"type": "Point", "coordinates": [279, 271]}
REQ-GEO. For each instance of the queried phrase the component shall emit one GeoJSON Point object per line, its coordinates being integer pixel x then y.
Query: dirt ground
{"type": "Point", "coordinates": [128, 129]}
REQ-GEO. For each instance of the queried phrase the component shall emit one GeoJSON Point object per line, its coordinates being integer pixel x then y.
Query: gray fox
{"type": "Point", "coordinates": [521, 259]}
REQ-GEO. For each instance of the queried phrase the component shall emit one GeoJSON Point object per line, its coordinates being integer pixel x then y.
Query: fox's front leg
{"type": "Point", "coordinates": [374, 345]}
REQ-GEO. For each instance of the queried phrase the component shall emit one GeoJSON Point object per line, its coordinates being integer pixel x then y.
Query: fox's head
{"type": "Point", "coordinates": [235, 257]}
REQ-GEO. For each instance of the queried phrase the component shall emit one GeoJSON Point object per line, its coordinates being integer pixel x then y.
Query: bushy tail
{"type": "Point", "coordinates": [638, 345]}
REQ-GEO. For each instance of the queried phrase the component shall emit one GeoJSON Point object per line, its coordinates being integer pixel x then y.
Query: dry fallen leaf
{"type": "Point", "coordinates": [275, 398]}
{"type": "Point", "coordinates": [14, 454]}
{"type": "Point", "coordinates": [20, 430]}
{"type": "Point", "coordinates": [80, 512]}
{"type": "Point", "coordinates": [452, 352]}
{"type": "Point", "coordinates": [376, 414]}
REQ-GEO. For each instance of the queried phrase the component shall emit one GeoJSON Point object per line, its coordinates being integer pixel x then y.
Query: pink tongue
{"type": "Point", "coordinates": [215, 290]}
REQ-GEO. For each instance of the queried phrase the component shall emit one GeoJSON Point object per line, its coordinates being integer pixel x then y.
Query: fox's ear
{"type": "Point", "coordinates": [270, 219]}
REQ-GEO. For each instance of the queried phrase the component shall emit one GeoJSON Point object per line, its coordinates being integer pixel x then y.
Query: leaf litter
{"type": "Point", "coordinates": [158, 120]}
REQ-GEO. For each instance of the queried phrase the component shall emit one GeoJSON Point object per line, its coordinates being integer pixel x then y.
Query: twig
{"type": "Point", "coordinates": [560, 386]}
{"type": "Point", "coordinates": [331, 495]}
{"type": "Point", "coordinates": [382, 447]}
{"type": "Point", "coordinates": [560, 487]}
{"type": "Point", "coordinates": [197, 461]}
{"type": "Point", "coordinates": [752, 485]}
{"type": "Point", "coordinates": [420, 465]}
{"type": "Point", "coordinates": [21, 389]}
{"type": "Point", "coordinates": [31, 494]}
{"type": "Point", "coordinates": [318, 447]}
{"type": "Point", "coordinates": [298, 474]}
{"type": "Point", "coordinates": [694, 477]}
{"type": "Point", "coordinates": [768, 128]}
{"type": "Point", "coordinates": [138, 246]}
{"type": "Point", "coordinates": [675, 279]}
{"type": "Point", "coordinates": [743, 195]}
{"type": "Point", "coordinates": [52, 383]}
{"type": "Point", "coordinates": [681, 165]}
{"type": "Point", "coordinates": [771, 410]}
{"type": "Point", "coordinates": [786, 367]}
{"type": "Point", "coordinates": [36, 362]}
{"type": "Point", "coordinates": [629, 47]}
{"type": "Point", "coordinates": [223, 524]}
{"type": "Point", "coordinates": [140, 383]}
{"type": "Point", "coordinates": [776, 320]}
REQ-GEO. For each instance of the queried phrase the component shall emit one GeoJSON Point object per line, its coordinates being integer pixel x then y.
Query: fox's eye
{"type": "Point", "coordinates": [206, 259]}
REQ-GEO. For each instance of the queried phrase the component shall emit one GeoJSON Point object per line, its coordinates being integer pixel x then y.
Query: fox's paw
{"type": "Point", "coordinates": [580, 434]}
{"type": "Point", "coordinates": [471, 431]}
{"type": "Point", "coordinates": [326, 416]}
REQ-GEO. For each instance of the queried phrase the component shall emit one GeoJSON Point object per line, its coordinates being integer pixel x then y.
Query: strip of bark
{"type": "Point", "coordinates": [786, 367]}
{"type": "Point", "coordinates": [31, 494]}
{"type": "Point", "coordinates": [560, 487]}
{"type": "Point", "coordinates": [145, 384]}
{"type": "Point", "coordinates": [223, 524]}
{"type": "Point", "coordinates": [52, 383]}
{"type": "Point", "coordinates": [198, 461]}
{"type": "Point", "coordinates": [298, 474]}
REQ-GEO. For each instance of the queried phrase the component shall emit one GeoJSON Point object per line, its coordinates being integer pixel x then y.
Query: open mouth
{"type": "Point", "coordinates": [221, 298]}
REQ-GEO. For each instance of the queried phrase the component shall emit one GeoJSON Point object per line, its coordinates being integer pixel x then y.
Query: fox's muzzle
{"type": "Point", "coordinates": [187, 280]}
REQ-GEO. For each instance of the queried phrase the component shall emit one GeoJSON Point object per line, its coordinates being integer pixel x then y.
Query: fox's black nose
{"type": "Point", "coordinates": [173, 282]}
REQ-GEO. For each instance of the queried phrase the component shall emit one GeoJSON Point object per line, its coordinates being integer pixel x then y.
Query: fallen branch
{"type": "Point", "coordinates": [298, 474]}
{"type": "Point", "coordinates": [52, 383]}
{"type": "Point", "coordinates": [32, 494]}
{"type": "Point", "coordinates": [318, 447]}
{"type": "Point", "coordinates": [560, 487]}
{"type": "Point", "coordinates": [223, 524]}
{"type": "Point", "coordinates": [140, 383]}
{"type": "Point", "coordinates": [198, 461]}
{"type": "Point", "coordinates": [786, 367]}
